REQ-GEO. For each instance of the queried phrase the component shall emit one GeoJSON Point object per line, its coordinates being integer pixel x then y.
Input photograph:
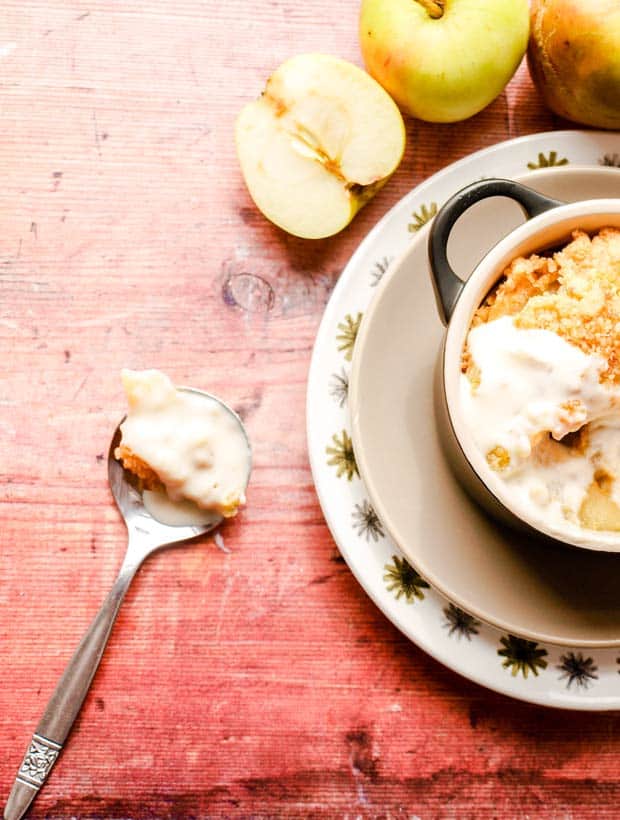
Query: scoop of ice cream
{"type": "Point", "coordinates": [533, 388]}
{"type": "Point", "coordinates": [530, 382]}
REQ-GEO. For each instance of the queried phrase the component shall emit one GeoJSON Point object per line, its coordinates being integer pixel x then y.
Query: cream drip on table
{"type": "Point", "coordinates": [192, 442]}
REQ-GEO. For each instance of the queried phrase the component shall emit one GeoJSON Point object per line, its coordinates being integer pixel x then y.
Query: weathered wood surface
{"type": "Point", "coordinates": [262, 682]}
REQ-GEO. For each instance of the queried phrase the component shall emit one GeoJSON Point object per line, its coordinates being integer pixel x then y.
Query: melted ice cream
{"type": "Point", "coordinates": [193, 443]}
{"type": "Point", "coordinates": [533, 383]}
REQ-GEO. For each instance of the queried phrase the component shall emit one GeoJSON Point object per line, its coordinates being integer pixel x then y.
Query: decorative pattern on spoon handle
{"type": "Point", "coordinates": [40, 756]}
{"type": "Point", "coordinates": [66, 702]}
{"type": "Point", "coordinates": [38, 761]}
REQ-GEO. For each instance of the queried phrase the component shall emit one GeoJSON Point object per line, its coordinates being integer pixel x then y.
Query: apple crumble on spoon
{"type": "Point", "coordinates": [541, 381]}
{"type": "Point", "coordinates": [186, 449]}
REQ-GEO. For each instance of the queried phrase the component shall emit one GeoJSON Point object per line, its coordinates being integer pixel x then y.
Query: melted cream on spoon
{"type": "Point", "coordinates": [194, 444]}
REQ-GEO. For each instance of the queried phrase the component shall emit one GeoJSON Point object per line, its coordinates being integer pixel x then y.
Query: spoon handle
{"type": "Point", "coordinates": [65, 703]}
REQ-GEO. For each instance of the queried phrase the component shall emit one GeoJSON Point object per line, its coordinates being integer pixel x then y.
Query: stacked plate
{"type": "Point", "coordinates": [532, 620]}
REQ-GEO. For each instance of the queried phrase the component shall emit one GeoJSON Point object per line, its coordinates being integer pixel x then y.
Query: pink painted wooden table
{"type": "Point", "coordinates": [258, 682]}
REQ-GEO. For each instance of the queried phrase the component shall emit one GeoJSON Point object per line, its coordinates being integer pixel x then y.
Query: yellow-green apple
{"type": "Point", "coordinates": [443, 60]}
{"type": "Point", "coordinates": [319, 142]}
{"type": "Point", "coordinates": [574, 58]}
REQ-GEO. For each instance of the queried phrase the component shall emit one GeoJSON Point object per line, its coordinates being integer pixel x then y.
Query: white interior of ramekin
{"type": "Point", "coordinates": [550, 229]}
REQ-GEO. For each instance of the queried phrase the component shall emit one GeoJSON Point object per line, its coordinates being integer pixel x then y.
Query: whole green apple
{"type": "Point", "coordinates": [443, 60]}
{"type": "Point", "coordinates": [574, 58]}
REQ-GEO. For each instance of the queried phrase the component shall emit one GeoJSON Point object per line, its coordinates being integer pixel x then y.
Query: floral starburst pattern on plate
{"type": "Point", "coordinates": [366, 522]}
{"type": "Point", "coordinates": [460, 623]}
{"type": "Point", "coordinates": [610, 160]}
{"type": "Point", "coordinates": [577, 669]}
{"type": "Point", "coordinates": [341, 456]}
{"type": "Point", "coordinates": [422, 216]}
{"type": "Point", "coordinates": [402, 579]}
{"type": "Point", "coordinates": [339, 387]}
{"type": "Point", "coordinates": [347, 331]}
{"type": "Point", "coordinates": [549, 160]}
{"type": "Point", "coordinates": [522, 656]}
{"type": "Point", "coordinates": [378, 270]}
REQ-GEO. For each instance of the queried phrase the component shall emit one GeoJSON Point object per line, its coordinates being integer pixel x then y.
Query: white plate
{"type": "Point", "coordinates": [530, 588]}
{"type": "Point", "coordinates": [558, 676]}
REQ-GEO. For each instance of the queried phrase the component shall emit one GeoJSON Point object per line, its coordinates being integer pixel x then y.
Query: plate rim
{"type": "Point", "coordinates": [489, 678]}
{"type": "Point", "coordinates": [366, 474]}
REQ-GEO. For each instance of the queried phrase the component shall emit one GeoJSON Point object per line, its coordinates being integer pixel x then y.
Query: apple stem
{"type": "Point", "coordinates": [433, 7]}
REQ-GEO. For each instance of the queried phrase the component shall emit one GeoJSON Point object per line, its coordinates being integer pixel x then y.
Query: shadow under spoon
{"type": "Point", "coordinates": [145, 536]}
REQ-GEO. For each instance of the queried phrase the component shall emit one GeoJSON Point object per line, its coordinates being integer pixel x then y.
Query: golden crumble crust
{"type": "Point", "coordinates": [574, 293]}
{"type": "Point", "coordinates": [130, 461]}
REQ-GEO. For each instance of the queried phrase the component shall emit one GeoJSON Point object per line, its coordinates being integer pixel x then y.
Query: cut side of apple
{"type": "Point", "coordinates": [320, 141]}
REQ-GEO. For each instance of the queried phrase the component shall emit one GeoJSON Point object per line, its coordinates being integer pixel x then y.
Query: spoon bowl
{"type": "Point", "coordinates": [145, 534]}
{"type": "Point", "coordinates": [142, 526]}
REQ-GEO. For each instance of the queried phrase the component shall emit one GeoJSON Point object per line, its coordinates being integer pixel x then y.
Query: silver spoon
{"type": "Point", "coordinates": [145, 536]}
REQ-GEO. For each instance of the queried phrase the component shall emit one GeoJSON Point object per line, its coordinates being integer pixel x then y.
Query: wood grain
{"type": "Point", "coordinates": [260, 682]}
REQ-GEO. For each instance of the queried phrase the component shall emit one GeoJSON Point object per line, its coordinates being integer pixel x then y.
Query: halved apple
{"type": "Point", "coordinates": [320, 141]}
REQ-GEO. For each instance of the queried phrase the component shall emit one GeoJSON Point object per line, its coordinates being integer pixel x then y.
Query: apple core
{"type": "Point", "coordinates": [318, 144]}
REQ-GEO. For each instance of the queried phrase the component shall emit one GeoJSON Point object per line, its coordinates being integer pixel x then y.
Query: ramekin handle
{"type": "Point", "coordinates": [447, 284]}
